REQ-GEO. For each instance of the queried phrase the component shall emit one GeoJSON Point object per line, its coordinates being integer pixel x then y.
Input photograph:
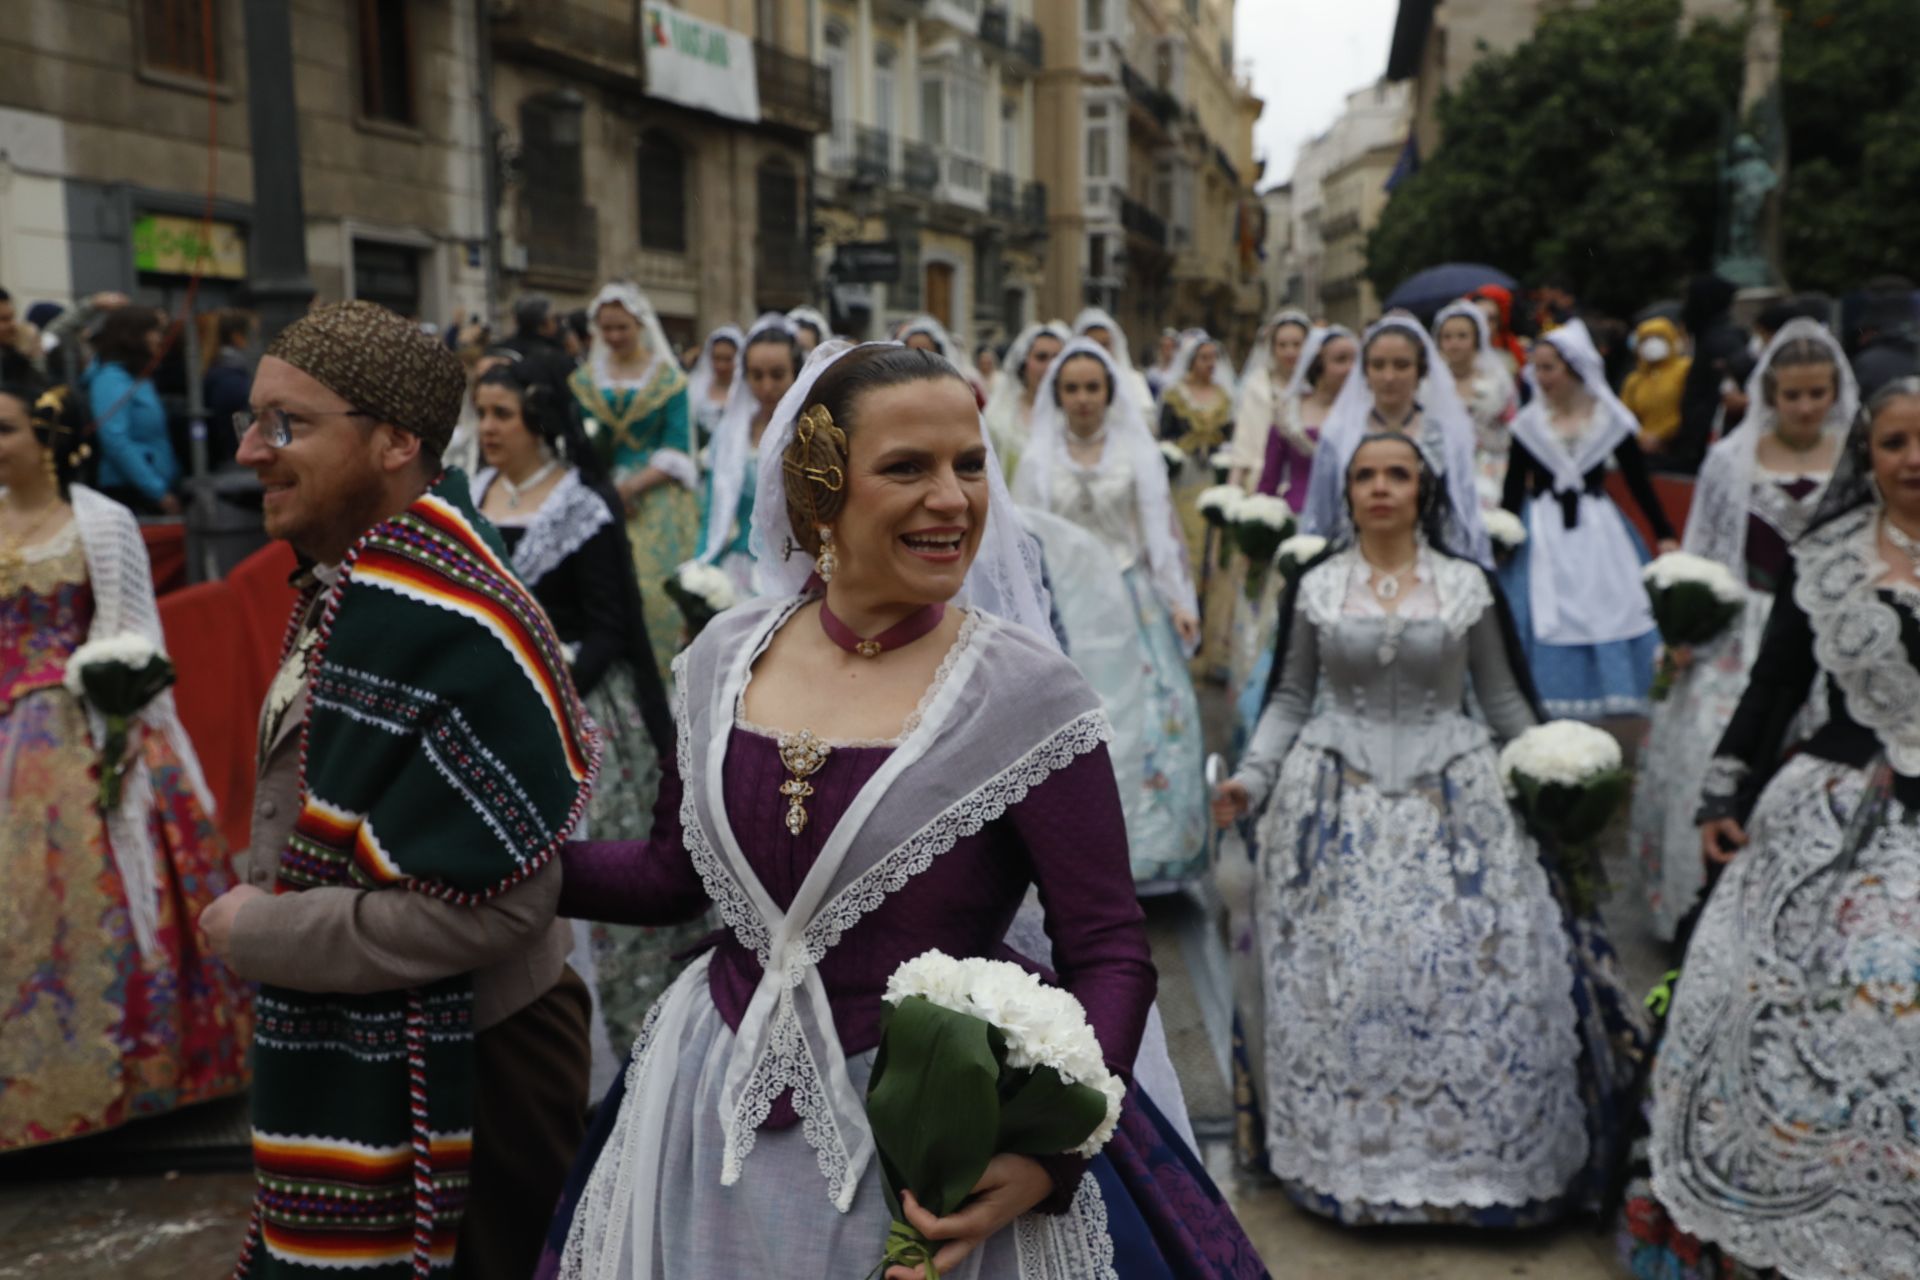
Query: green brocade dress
{"type": "Point", "coordinates": [637, 425]}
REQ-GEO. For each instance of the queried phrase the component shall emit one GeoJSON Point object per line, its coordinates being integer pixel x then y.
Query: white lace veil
{"type": "Point", "coordinates": [1260, 359]}
{"type": "Point", "coordinates": [1317, 338]}
{"type": "Point", "coordinates": [628, 298]}
{"type": "Point", "coordinates": [1190, 346]}
{"type": "Point", "coordinates": [1717, 521]}
{"type": "Point", "coordinates": [733, 441]}
{"type": "Point", "coordinates": [700, 381]}
{"type": "Point", "coordinates": [1125, 430]}
{"type": "Point", "coordinates": [1095, 318]}
{"type": "Point", "coordinates": [1005, 578]}
{"type": "Point", "coordinates": [808, 315]}
{"type": "Point", "coordinates": [1447, 438]}
{"type": "Point", "coordinates": [1484, 358]}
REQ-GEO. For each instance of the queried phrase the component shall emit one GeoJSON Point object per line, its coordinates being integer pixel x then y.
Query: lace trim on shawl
{"type": "Point", "coordinates": [52, 563]}
{"type": "Point", "coordinates": [570, 516]}
{"type": "Point", "coordinates": [1856, 634]}
{"type": "Point", "coordinates": [1075, 1245]}
{"type": "Point", "coordinates": [941, 674]}
{"type": "Point", "coordinates": [1460, 585]}
{"type": "Point", "coordinates": [966, 817]}
{"type": "Point", "coordinates": [787, 1066]}
{"type": "Point", "coordinates": [728, 894]}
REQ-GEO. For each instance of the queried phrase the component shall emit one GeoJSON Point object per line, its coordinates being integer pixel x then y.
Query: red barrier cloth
{"type": "Point", "coordinates": [167, 553]}
{"type": "Point", "coordinates": [224, 638]}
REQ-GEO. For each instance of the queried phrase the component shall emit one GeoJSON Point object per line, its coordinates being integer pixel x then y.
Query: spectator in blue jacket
{"type": "Point", "coordinates": [226, 378]}
{"type": "Point", "coordinates": [137, 463]}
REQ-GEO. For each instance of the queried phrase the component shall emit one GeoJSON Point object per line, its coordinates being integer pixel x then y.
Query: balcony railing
{"type": "Point", "coordinates": [1033, 206]}
{"type": "Point", "coordinates": [1140, 220]}
{"type": "Point", "coordinates": [783, 273]}
{"type": "Point", "coordinates": [562, 239]}
{"type": "Point", "coordinates": [1152, 99]}
{"type": "Point", "coordinates": [1029, 47]}
{"type": "Point", "coordinates": [579, 40]}
{"type": "Point", "coordinates": [996, 26]}
{"type": "Point", "coordinates": [793, 91]}
{"type": "Point", "coordinates": [1003, 198]}
{"type": "Point", "coordinates": [873, 156]}
{"type": "Point", "coordinates": [920, 167]}
{"type": "Point", "coordinates": [1226, 165]}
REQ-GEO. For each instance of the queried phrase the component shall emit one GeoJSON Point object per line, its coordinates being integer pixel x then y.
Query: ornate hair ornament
{"type": "Point", "coordinates": [817, 423]}
{"type": "Point", "coordinates": [48, 411]}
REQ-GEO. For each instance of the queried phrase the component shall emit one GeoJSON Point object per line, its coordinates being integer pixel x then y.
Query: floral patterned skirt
{"type": "Point", "coordinates": [664, 532]}
{"type": "Point", "coordinates": [93, 1033]}
{"type": "Point", "coordinates": [1786, 1113]}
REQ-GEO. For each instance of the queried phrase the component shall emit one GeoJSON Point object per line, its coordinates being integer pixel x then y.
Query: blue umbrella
{"type": "Point", "coordinates": [1425, 292]}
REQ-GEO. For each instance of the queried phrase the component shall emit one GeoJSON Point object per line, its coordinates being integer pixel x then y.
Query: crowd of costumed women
{"type": "Point", "coordinates": [1429, 1024]}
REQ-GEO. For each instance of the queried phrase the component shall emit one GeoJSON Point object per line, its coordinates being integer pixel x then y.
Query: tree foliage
{"type": "Point", "coordinates": [1852, 104]}
{"type": "Point", "coordinates": [1591, 153]}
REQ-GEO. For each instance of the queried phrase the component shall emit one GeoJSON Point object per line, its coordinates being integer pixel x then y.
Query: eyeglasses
{"type": "Point", "coordinates": [276, 425]}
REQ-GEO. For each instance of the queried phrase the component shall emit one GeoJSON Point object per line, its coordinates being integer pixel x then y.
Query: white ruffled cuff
{"type": "Point", "coordinates": [680, 467]}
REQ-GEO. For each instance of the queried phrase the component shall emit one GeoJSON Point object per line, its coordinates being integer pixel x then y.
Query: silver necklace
{"type": "Point", "coordinates": [531, 482]}
{"type": "Point", "coordinates": [1904, 543]}
{"type": "Point", "coordinates": [1387, 585]}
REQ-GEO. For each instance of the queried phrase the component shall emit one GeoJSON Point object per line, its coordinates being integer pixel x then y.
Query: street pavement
{"type": "Point", "coordinates": [181, 1214]}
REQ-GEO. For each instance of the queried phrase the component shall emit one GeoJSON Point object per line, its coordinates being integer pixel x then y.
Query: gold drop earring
{"type": "Point", "coordinates": [826, 562]}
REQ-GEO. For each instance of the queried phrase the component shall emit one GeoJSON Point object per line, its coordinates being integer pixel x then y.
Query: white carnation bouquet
{"type": "Point", "coordinates": [978, 1058]}
{"type": "Point", "coordinates": [1507, 531]}
{"type": "Point", "coordinates": [118, 676]}
{"type": "Point", "coordinates": [1261, 522]}
{"type": "Point", "coordinates": [1694, 600]}
{"type": "Point", "coordinates": [702, 591]}
{"type": "Point", "coordinates": [1567, 779]}
{"type": "Point", "coordinates": [1174, 457]}
{"type": "Point", "coordinates": [1297, 552]}
{"type": "Point", "coordinates": [1221, 460]}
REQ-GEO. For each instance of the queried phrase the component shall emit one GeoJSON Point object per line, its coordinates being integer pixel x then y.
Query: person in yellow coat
{"type": "Point", "coordinates": [1653, 389]}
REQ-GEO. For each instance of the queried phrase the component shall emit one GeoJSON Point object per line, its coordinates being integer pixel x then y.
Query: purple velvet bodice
{"type": "Point", "coordinates": [1287, 467]}
{"type": "Point", "coordinates": [1067, 835]}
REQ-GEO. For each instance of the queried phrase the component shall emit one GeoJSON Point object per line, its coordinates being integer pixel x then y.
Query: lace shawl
{"type": "Point", "coordinates": [123, 603]}
{"type": "Point", "coordinates": [571, 514]}
{"type": "Point", "coordinates": [1856, 633]}
{"type": "Point", "coordinates": [1007, 712]}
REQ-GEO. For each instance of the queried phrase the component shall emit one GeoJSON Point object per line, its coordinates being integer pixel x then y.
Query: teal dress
{"type": "Point", "coordinates": [637, 425]}
{"type": "Point", "coordinates": [734, 558]}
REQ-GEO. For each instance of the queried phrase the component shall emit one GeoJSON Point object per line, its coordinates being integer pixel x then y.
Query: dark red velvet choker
{"type": "Point", "coordinates": [919, 623]}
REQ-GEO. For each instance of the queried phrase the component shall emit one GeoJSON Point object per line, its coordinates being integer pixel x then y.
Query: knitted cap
{"type": "Point", "coordinates": [380, 363]}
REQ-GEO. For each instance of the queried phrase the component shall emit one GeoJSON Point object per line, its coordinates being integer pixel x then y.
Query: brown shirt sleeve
{"type": "Point", "coordinates": [354, 941]}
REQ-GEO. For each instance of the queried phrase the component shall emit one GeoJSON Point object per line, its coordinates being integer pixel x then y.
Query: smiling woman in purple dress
{"type": "Point", "coordinates": [875, 759]}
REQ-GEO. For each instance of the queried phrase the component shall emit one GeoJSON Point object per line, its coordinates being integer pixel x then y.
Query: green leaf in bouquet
{"type": "Point", "coordinates": [1043, 1115]}
{"type": "Point", "coordinates": [933, 1101]}
{"type": "Point", "coordinates": [1688, 613]}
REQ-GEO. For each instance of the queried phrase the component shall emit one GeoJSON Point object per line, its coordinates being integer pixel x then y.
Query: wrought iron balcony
{"type": "Point", "coordinates": [793, 91]}
{"type": "Point", "coordinates": [1140, 220]}
{"type": "Point", "coordinates": [920, 165]}
{"type": "Point", "coordinates": [1152, 99]}
{"type": "Point", "coordinates": [1003, 198]}
{"type": "Point", "coordinates": [873, 155]}
{"type": "Point", "coordinates": [1028, 46]}
{"type": "Point", "coordinates": [996, 26]}
{"type": "Point", "coordinates": [1033, 206]}
{"type": "Point", "coordinates": [579, 40]}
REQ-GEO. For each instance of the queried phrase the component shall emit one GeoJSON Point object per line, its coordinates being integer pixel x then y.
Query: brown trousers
{"type": "Point", "coordinates": [529, 1115]}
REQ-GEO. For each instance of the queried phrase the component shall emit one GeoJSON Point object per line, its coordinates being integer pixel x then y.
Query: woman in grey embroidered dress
{"type": "Point", "coordinates": [1757, 493]}
{"type": "Point", "coordinates": [863, 772]}
{"type": "Point", "coordinates": [1435, 1038]}
{"type": "Point", "coordinates": [1785, 1104]}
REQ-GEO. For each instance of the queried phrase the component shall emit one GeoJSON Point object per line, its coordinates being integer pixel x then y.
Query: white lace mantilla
{"type": "Point", "coordinates": [1459, 587]}
{"type": "Point", "coordinates": [1856, 634]}
{"type": "Point", "coordinates": [1785, 1103]}
{"type": "Point", "coordinates": [567, 518]}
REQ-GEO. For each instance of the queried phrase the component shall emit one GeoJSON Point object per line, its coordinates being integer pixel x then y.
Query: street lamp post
{"type": "Point", "coordinates": [280, 288]}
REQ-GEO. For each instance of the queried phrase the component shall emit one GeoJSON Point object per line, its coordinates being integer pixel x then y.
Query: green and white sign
{"type": "Point", "coordinates": [700, 65]}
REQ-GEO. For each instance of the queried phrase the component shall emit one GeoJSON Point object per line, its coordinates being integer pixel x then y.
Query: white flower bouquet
{"type": "Point", "coordinates": [1507, 531]}
{"type": "Point", "coordinates": [1261, 522]}
{"type": "Point", "coordinates": [1221, 460]}
{"type": "Point", "coordinates": [118, 676]}
{"type": "Point", "coordinates": [1297, 552]}
{"type": "Point", "coordinates": [1218, 505]}
{"type": "Point", "coordinates": [1694, 600]}
{"type": "Point", "coordinates": [1567, 779]}
{"type": "Point", "coordinates": [702, 591]}
{"type": "Point", "coordinates": [1174, 457]}
{"type": "Point", "coordinates": [978, 1058]}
